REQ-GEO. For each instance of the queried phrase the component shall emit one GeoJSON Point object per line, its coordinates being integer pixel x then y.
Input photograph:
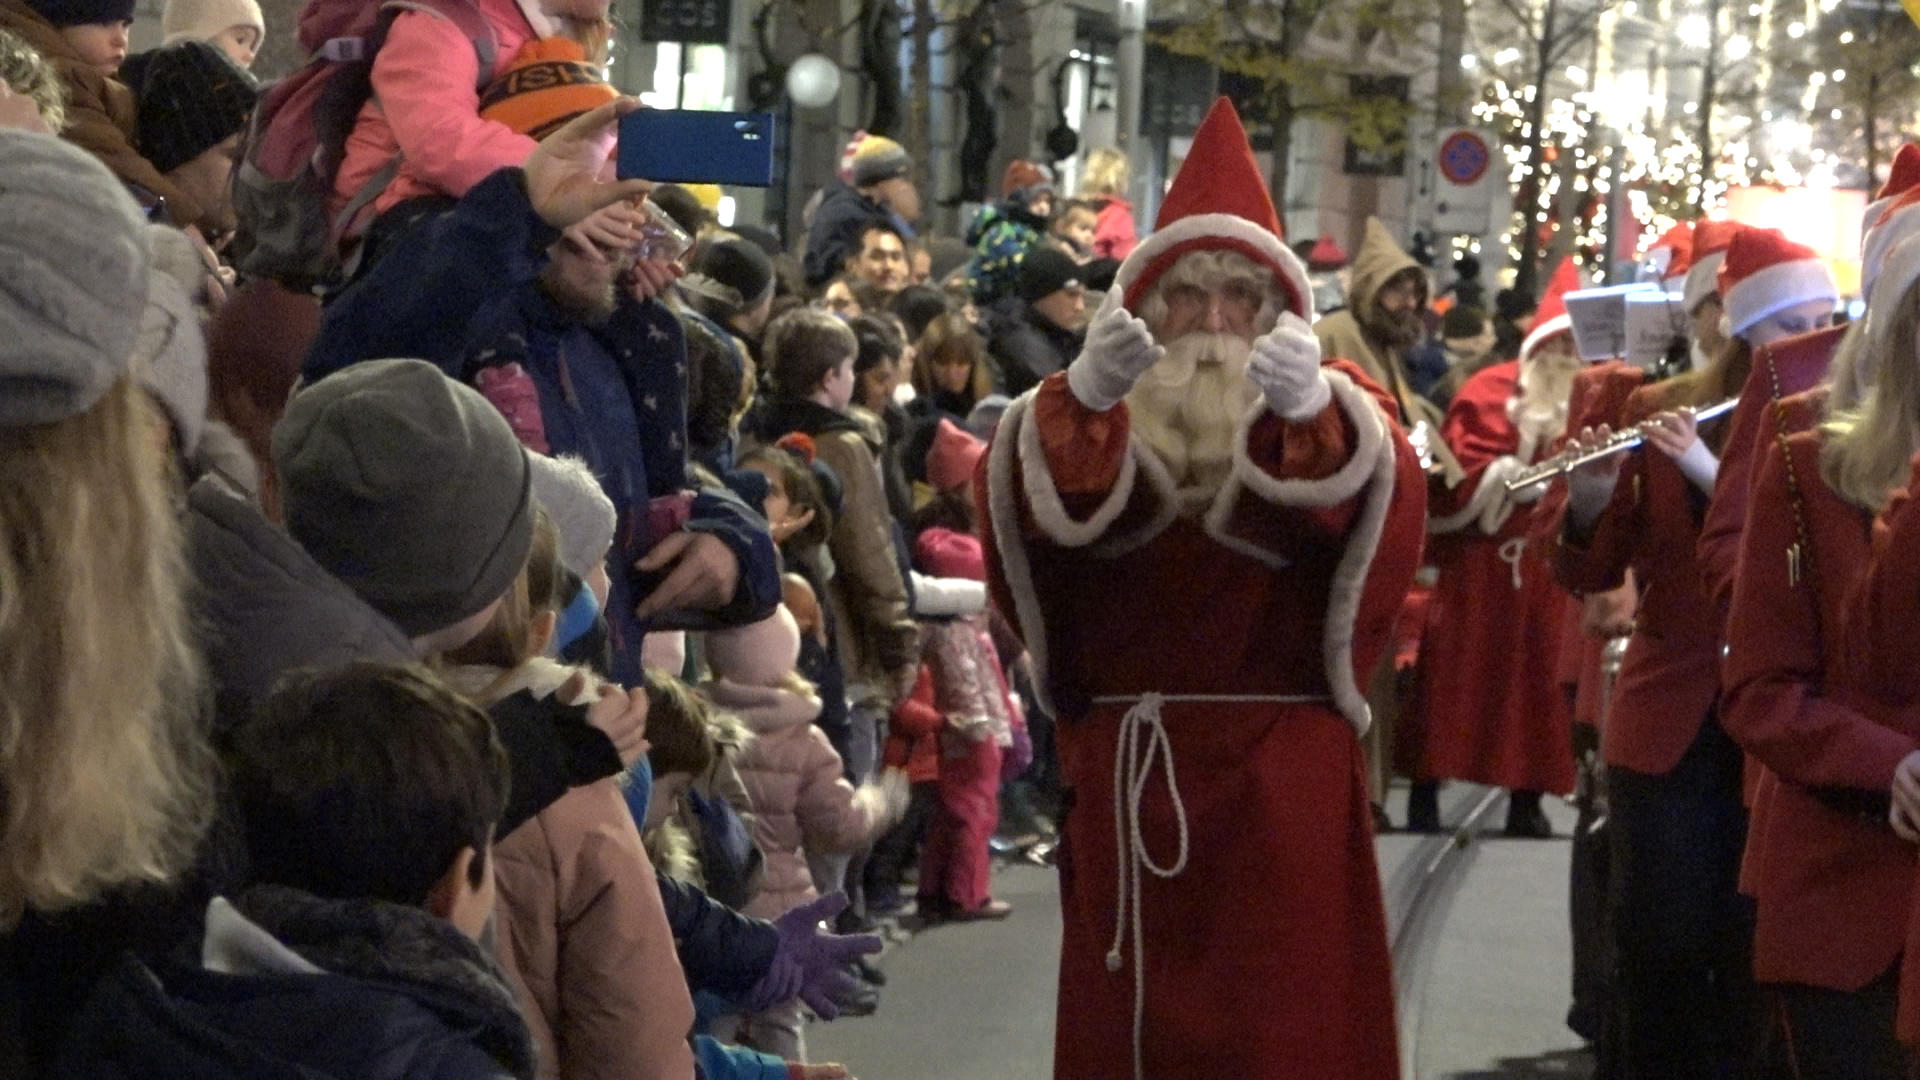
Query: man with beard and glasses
{"type": "Point", "coordinates": [1204, 534]}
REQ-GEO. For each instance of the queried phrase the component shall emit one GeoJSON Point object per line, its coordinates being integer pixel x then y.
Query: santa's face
{"type": "Point", "coordinates": [1206, 310]}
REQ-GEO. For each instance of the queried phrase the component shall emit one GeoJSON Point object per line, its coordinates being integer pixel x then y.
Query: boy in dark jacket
{"type": "Point", "coordinates": [370, 795]}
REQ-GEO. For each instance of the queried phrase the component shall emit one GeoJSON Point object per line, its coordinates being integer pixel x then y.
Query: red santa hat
{"type": "Point", "coordinates": [1670, 256]}
{"type": "Point", "coordinates": [1765, 272]}
{"type": "Point", "coordinates": [1551, 317]}
{"type": "Point", "coordinates": [1902, 175]}
{"type": "Point", "coordinates": [1327, 254]}
{"type": "Point", "coordinates": [1710, 240]}
{"type": "Point", "coordinates": [1900, 220]}
{"type": "Point", "coordinates": [1218, 202]}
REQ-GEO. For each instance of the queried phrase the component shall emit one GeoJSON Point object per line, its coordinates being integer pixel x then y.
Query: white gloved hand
{"type": "Point", "coordinates": [1286, 368]}
{"type": "Point", "coordinates": [1119, 349]}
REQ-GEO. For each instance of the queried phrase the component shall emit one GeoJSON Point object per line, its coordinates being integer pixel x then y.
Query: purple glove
{"type": "Point", "coordinates": [811, 962]}
{"type": "Point", "coordinates": [1018, 757]}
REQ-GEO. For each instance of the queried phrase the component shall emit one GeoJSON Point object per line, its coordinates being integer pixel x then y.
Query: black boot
{"type": "Point", "coordinates": [1423, 807]}
{"type": "Point", "coordinates": [1525, 819]}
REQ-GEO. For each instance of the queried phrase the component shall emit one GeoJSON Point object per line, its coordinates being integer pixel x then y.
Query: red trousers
{"type": "Point", "coordinates": [954, 861]}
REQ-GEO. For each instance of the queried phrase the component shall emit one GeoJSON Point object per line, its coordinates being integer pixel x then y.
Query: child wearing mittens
{"type": "Point", "coordinates": [802, 801]}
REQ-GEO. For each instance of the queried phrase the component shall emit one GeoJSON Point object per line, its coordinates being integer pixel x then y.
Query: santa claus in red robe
{"type": "Point", "coordinates": [1488, 710]}
{"type": "Point", "coordinates": [1204, 535]}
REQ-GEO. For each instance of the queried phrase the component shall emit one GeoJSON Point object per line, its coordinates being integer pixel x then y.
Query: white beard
{"type": "Point", "coordinates": [1188, 407]}
{"type": "Point", "coordinates": [1539, 410]}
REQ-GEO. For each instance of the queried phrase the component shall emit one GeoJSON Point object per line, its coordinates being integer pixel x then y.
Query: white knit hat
{"type": "Point", "coordinates": [170, 355]}
{"type": "Point", "coordinates": [1765, 272]}
{"type": "Point", "coordinates": [579, 509]}
{"type": "Point", "coordinates": [200, 20]}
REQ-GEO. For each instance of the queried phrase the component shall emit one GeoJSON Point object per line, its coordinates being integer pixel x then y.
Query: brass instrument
{"type": "Point", "coordinates": [1572, 458]}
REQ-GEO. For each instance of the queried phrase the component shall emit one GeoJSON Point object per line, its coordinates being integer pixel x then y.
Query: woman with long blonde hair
{"type": "Point", "coordinates": [105, 784]}
{"type": "Point", "coordinates": [1832, 883]}
{"type": "Point", "coordinates": [1104, 184]}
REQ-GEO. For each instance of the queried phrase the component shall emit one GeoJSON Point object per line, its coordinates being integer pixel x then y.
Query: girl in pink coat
{"type": "Point", "coordinates": [802, 802]}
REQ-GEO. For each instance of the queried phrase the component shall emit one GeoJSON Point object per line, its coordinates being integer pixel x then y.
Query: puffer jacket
{"type": "Point", "coordinates": [101, 114]}
{"type": "Point", "coordinates": [580, 927]}
{"type": "Point", "coordinates": [1000, 237]}
{"type": "Point", "coordinates": [802, 803]}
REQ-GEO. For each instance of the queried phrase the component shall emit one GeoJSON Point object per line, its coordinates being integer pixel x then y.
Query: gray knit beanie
{"type": "Point", "coordinates": [170, 357]}
{"type": "Point", "coordinates": [408, 487]}
{"type": "Point", "coordinates": [579, 509]}
{"type": "Point", "coordinates": [73, 279]}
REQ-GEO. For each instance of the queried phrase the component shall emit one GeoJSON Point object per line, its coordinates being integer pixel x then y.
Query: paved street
{"type": "Point", "coordinates": [975, 1002]}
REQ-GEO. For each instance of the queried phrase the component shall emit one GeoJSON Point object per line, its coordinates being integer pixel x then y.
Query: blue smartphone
{"type": "Point", "coordinates": [693, 146]}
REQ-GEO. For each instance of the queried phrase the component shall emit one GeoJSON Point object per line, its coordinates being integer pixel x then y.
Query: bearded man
{"type": "Point", "coordinates": [1204, 535]}
{"type": "Point", "coordinates": [1384, 320]}
{"type": "Point", "coordinates": [1488, 710]}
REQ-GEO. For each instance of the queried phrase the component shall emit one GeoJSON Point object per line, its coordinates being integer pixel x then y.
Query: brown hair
{"type": "Point", "coordinates": [29, 74]}
{"type": "Point", "coordinates": [367, 781]}
{"type": "Point", "coordinates": [803, 347]}
{"type": "Point", "coordinates": [948, 337]}
{"type": "Point", "coordinates": [679, 728]}
{"type": "Point", "coordinates": [801, 488]}
{"type": "Point", "coordinates": [105, 773]}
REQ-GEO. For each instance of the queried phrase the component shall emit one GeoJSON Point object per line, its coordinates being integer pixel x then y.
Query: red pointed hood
{"type": "Point", "coordinates": [1218, 202]}
{"type": "Point", "coordinates": [1710, 241]}
{"type": "Point", "coordinates": [1551, 317]}
{"type": "Point", "coordinates": [1677, 242]}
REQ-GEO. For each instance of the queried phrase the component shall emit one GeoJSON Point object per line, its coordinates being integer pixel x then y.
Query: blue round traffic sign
{"type": "Point", "coordinates": [1464, 158]}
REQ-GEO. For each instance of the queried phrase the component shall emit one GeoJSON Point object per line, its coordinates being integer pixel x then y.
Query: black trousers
{"type": "Point", "coordinates": [1821, 1034]}
{"type": "Point", "coordinates": [1588, 871]}
{"type": "Point", "coordinates": [899, 846]}
{"type": "Point", "coordinates": [1684, 1000]}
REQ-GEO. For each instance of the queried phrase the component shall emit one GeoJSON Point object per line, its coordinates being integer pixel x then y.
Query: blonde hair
{"type": "Point", "coordinates": [1106, 175]}
{"type": "Point", "coordinates": [27, 72]}
{"type": "Point", "coordinates": [508, 640]}
{"type": "Point", "coordinates": [105, 773]}
{"type": "Point", "coordinates": [1865, 450]}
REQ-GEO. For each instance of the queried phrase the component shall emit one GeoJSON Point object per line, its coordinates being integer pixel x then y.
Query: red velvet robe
{"type": "Point", "coordinates": [1488, 705]}
{"type": "Point", "coordinates": [1884, 654]}
{"type": "Point", "coordinates": [1266, 955]}
{"type": "Point", "coordinates": [1832, 888]}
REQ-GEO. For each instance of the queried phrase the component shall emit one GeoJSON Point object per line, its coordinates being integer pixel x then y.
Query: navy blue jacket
{"type": "Point", "coordinates": [459, 291]}
{"type": "Point", "coordinates": [843, 216]}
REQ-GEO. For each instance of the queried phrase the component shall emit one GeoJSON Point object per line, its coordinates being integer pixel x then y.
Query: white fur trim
{"type": "Point", "coordinates": [1345, 482]}
{"type": "Point", "coordinates": [1490, 505]}
{"type": "Point", "coordinates": [1004, 510]}
{"type": "Point", "coordinates": [1900, 270]}
{"type": "Point", "coordinates": [1703, 280]}
{"type": "Point", "coordinates": [1558, 324]}
{"type": "Point", "coordinates": [1223, 227]}
{"type": "Point", "coordinates": [1877, 247]}
{"type": "Point", "coordinates": [1781, 285]}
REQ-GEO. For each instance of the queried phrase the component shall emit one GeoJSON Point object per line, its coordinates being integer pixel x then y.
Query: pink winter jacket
{"type": "Point", "coordinates": [426, 108]}
{"type": "Point", "coordinates": [580, 927]}
{"type": "Point", "coordinates": [796, 780]}
{"type": "Point", "coordinates": [1114, 234]}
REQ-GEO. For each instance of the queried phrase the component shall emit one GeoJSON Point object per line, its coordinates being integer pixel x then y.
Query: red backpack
{"type": "Point", "coordinates": [296, 139]}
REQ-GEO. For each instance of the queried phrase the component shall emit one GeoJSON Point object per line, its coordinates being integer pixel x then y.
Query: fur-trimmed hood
{"type": "Point", "coordinates": [763, 709]}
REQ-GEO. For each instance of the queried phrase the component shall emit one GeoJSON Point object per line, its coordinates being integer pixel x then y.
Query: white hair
{"type": "Point", "coordinates": [1211, 270]}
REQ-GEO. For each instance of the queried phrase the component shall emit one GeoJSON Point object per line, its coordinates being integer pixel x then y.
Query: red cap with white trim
{"type": "Point", "coordinates": [1765, 272]}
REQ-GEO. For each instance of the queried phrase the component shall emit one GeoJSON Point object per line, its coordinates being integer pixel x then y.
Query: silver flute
{"type": "Point", "coordinates": [1572, 458]}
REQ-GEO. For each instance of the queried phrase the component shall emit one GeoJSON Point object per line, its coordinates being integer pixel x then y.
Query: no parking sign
{"type": "Point", "coordinates": [1463, 200]}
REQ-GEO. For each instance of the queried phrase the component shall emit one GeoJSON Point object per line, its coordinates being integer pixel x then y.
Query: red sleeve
{"type": "Point", "coordinates": [1084, 449]}
{"type": "Point", "coordinates": [1598, 561]}
{"type": "Point", "coordinates": [1774, 670]}
{"type": "Point", "coordinates": [1878, 633]}
{"type": "Point", "coordinates": [1719, 549]}
{"type": "Point", "coordinates": [424, 79]}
